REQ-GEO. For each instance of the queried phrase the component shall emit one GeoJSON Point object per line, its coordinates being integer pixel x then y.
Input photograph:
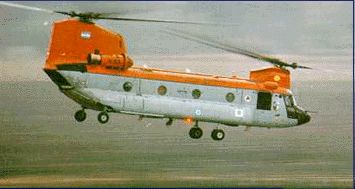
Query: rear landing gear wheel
{"type": "Point", "coordinates": [217, 134]}
{"type": "Point", "coordinates": [195, 132]}
{"type": "Point", "coordinates": [80, 115]}
{"type": "Point", "coordinates": [103, 117]}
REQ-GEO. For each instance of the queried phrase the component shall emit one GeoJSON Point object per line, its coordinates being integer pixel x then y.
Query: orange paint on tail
{"type": "Point", "coordinates": [72, 41]}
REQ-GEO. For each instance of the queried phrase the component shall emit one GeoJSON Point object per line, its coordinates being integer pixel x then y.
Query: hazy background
{"type": "Point", "coordinates": [311, 33]}
{"type": "Point", "coordinates": [42, 145]}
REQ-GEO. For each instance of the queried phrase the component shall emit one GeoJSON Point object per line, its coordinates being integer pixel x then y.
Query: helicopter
{"type": "Point", "coordinates": [91, 66]}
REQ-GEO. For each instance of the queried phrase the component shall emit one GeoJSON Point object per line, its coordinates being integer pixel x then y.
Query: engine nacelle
{"type": "Point", "coordinates": [118, 62]}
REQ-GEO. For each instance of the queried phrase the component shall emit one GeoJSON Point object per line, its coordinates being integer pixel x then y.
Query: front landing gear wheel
{"type": "Point", "coordinates": [195, 132]}
{"type": "Point", "coordinates": [217, 134]}
{"type": "Point", "coordinates": [103, 117]}
{"type": "Point", "coordinates": [80, 115]}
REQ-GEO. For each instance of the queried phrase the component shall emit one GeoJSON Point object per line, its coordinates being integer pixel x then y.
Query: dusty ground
{"type": "Point", "coordinates": [42, 145]}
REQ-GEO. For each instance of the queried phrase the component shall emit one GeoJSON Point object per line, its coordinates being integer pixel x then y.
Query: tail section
{"type": "Point", "coordinates": [72, 41]}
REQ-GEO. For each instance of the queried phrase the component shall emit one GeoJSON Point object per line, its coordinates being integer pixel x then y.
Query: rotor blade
{"type": "Point", "coordinates": [225, 47]}
{"type": "Point", "coordinates": [304, 67]}
{"type": "Point", "coordinates": [105, 16]}
{"type": "Point", "coordinates": [130, 10]}
{"type": "Point", "coordinates": [25, 7]}
{"type": "Point", "coordinates": [155, 20]}
{"type": "Point", "coordinates": [71, 13]}
{"type": "Point", "coordinates": [36, 8]}
{"type": "Point", "coordinates": [66, 13]}
{"type": "Point", "coordinates": [231, 49]}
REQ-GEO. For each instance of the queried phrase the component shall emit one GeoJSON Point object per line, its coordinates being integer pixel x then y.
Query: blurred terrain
{"type": "Point", "coordinates": [42, 145]}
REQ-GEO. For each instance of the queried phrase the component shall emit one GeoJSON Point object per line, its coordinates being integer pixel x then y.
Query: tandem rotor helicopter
{"type": "Point", "coordinates": [91, 66]}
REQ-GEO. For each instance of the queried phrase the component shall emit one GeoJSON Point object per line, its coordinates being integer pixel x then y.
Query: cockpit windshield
{"type": "Point", "coordinates": [291, 107]}
{"type": "Point", "coordinates": [294, 111]}
{"type": "Point", "coordinates": [290, 101]}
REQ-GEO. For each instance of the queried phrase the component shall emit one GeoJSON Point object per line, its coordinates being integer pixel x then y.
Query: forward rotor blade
{"type": "Point", "coordinates": [304, 67]}
{"type": "Point", "coordinates": [155, 21]}
{"type": "Point", "coordinates": [26, 7]}
{"type": "Point", "coordinates": [226, 47]}
{"type": "Point", "coordinates": [236, 50]}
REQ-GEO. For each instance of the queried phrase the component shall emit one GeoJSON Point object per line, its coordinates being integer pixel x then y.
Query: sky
{"type": "Point", "coordinates": [317, 34]}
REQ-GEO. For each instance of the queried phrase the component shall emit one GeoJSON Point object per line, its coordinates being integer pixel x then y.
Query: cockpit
{"type": "Point", "coordinates": [294, 111]}
{"type": "Point", "coordinates": [290, 101]}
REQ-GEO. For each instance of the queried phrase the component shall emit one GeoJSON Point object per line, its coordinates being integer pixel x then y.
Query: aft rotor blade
{"type": "Point", "coordinates": [105, 16]}
{"type": "Point", "coordinates": [70, 13]}
{"type": "Point", "coordinates": [26, 7]}
{"type": "Point", "coordinates": [32, 8]}
{"type": "Point", "coordinates": [66, 13]}
{"type": "Point", "coordinates": [155, 21]}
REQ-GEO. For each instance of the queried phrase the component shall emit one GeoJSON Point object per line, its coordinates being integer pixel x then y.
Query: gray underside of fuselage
{"type": "Point", "coordinates": [105, 92]}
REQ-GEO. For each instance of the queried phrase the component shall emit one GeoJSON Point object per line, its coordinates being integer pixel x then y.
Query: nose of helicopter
{"type": "Point", "coordinates": [303, 117]}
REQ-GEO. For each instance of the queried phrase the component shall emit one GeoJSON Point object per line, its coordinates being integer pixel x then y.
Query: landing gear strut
{"type": "Point", "coordinates": [80, 115]}
{"type": "Point", "coordinates": [217, 134]}
{"type": "Point", "coordinates": [169, 122]}
{"type": "Point", "coordinates": [195, 132]}
{"type": "Point", "coordinates": [103, 117]}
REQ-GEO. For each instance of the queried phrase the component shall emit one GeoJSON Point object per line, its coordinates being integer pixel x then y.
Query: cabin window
{"type": "Point", "coordinates": [127, 86]}
{"type": "Point", "coordinates": [162, 90]}
{"type": "Point", "coordinates": [247, 98]}
{"type": "Point", "coordinates": [230, 97]}
{"type": "Point", "coordinates": [196, 93]}
{"type": "Point", "coordinates": [264, 101]}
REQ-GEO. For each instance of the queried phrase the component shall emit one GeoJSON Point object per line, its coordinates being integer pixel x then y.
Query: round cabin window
{"type": "Point", "coordinates": [127, 86]}
{"type": "Point", "coordinates": [230, 97]}
{"type": "Point", "coordinates": [247, 98]}
{"type": "Point", "coordinates": [162, 90]}
{"type": "Point", "coordinates": [196, 93]}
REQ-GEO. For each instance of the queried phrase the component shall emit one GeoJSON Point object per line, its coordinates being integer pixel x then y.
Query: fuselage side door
{"type": "Point", "coordinates": [263, 112]}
